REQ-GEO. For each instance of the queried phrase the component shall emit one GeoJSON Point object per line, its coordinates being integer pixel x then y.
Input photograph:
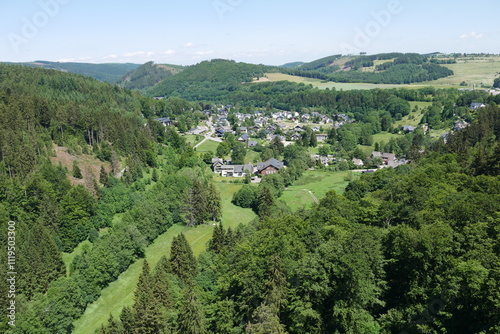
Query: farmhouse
{"type": "Point", "coordinates": [409, 128]}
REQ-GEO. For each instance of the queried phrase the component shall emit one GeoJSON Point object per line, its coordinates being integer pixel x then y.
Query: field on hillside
{"type": "Point", "coordinates": [471, 70]}
{"type": "Point", "coordinates": [120, 293]}
{"type": "Point", "coordinates": [319, 182]}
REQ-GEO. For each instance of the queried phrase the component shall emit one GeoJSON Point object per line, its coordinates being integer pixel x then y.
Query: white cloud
{"type": "Point", "coordinates": [167, 53]}
{"type": "Point", "coordinates": [189, 45]}
{"type": "Point", "coordinates": [472, 34]}
{"type": "Point", "coordinates": [110, 57]}
{"type": "Point", "coordinates": [204, 53]}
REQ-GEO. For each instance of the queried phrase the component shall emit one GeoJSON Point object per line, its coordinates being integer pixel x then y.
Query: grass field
{"type": "Point", "coordinates": [477, 70]}
{"type": "Point", "coordinates": [317, 181]}
{"type": "Point", "coordinates": [208, 146]}
{"type": "Point", "coordinates": [120, 293]}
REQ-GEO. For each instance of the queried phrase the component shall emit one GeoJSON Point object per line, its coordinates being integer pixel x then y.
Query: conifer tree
{"type": "Point", "coordinates": [147, 314]}
{"type": "Point", "coordinates": [103, 177]}
{"type": "Point", "coordinates": [154, 176]}
{"type": "Point", "coordinates": [213, 203]}
{"type": "Point", "coordinates": [198, 203]}
{"type": "Point", "coordinates": [265, 202]}
{"type": "Point", "coordinates": [182, 260]}
{"type": "Point", "coordinates": [128, 321]}
{"type": "Point", "coordinates": [191, 318]}
{"type": "Point", "coordinates": [218, 241]}
{"type": "Point", "coordinates": [77, 172]}
{"type": "Point", "coordinates": [161, 283]}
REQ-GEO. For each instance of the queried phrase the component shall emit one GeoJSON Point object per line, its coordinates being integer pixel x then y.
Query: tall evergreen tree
{"type": "Point", "coordinates": [213, 203]}
{"type": "Point", "coordinates": [218, 241]}
{"type": "Point", "coordinates": [191, 318]}
{"type": "Point", "coordinates": [147, 314]}
{"type": "Point", "coordinates": [182, 260]}
{"type": "Point", "coordinates": [198, 203]}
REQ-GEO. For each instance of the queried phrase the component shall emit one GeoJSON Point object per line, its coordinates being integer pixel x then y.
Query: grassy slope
{"type": "Point", "coordinates": [317, 181]}
{"type": "Point", "coordinates": [208, 146]}
{"type": "Point", "coordinates": [121, 292]}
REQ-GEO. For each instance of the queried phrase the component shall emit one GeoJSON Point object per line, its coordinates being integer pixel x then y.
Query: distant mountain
{"type": "Point", "coordinates": [102, 72]}
{"type": "Point", "coordinates": [292, 65]}
{"type": "Point", "coordinates": [209, 79]}
{"type": "Point", "coordinates": [148, 75]}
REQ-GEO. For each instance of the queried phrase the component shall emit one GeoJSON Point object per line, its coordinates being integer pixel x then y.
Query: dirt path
{"type": "Point", "coordinates": [312, 195]}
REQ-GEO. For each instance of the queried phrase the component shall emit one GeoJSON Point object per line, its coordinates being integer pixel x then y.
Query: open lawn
{"type": "Point", "coordinates": [120, 293]}
{"type": "Point", "coordinates": [317, 181]}
{"type": "Point", "coordinates": [378, 138]}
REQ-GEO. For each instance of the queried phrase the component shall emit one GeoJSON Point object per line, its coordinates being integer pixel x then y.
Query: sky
{"type": "Point", "coordinates": [271, 32]}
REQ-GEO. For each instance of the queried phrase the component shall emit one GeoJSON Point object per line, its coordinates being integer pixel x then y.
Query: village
{"type": "Point", "coordinates": [261, 127]}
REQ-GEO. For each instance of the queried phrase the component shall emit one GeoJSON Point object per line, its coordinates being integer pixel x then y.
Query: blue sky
{"type": "Point", "coordinates": [257, 31]}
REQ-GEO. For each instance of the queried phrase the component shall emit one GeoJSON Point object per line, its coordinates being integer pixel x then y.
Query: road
{"type": "Point", "coordinates": [209, 134]}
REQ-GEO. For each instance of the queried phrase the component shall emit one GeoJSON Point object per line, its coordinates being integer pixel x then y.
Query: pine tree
{"type": "Point", "coordinates": [191, 319]}
{"type": "Point", "coordinates": [198, 203]}
{"type": "Point", "coordinates": [147, 313]}
{"type": "Point", "coordinates": [103, 177]}
{"type": "Point", "coordinates": [182, 260]}
{"type": "Point", "coordinates": [77, 172]}
{"type": "Point", "coordinates": [154, 176]}
{"type": "Point", "coordinates": [128, 321]}
{"type": "Point", "coordinates": [161, 284]}
{"type": "Point", "coordinates": [218, 241]}
{"type": "Point", "coordinates": [265, 202]}
{"type": "Point", "coordinates": [213, 203]}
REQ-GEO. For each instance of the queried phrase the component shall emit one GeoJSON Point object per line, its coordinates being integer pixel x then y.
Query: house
{"type": "Point", "coordinates": [252, 143]}
{"type": "Point", "coordinates": [165, 121]}
{"type": "Point", "coordinates": [217, 164]}
{"type": "Point", "coordinates": [476, 106]}
{"type": "Point", "coordinates": [358, 162]}
{"type": "Point", "coordinates": [409, 128]}
{"type": "Point", "coordinates": [280, 138]}
{"type": "Point", "coordinates": [321, 136]}
{"type": "Point", "coordinates": [295, 137]}
{"type": "Point", "coordinates": [244, 137]}
{"type": "Point", "coordinates": [316, 129]}
{"type": "Point", "coordinates": [243, 129]}
{"type": "Point", "coordinates": [386, 157]}
{"type": "Point", "coordinates": [236, 170]}
{"type": "Point", "coordinates": [271, 166]}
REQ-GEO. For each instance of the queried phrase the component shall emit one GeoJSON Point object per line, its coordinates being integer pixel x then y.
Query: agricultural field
{"type": "Point", "coordinates": [473, 71]}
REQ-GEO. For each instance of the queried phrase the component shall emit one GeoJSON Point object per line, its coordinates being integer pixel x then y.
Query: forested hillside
{"type": "Point", "coordinates": [103, 72]}
{"type": "Point", "coordinates": [392, 68]}
{"type": "Point", "coordinates": [148, 75]}
{"type": "Point", "coordinates": [41, 108]}
{"type": "Point", "coordinates": [208, 80]}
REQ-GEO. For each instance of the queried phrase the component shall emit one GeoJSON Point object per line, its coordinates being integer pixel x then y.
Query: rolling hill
{"type": "Point", "coordinates": [110, 72]}
{"type": "Point", "coordinates": [148, 75]}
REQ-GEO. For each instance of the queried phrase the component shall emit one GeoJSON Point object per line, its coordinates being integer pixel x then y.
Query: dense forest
{"type": "Point", "coordinates": [103, 72]}
{"type": "Point", "coordinates": [409, 250]}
